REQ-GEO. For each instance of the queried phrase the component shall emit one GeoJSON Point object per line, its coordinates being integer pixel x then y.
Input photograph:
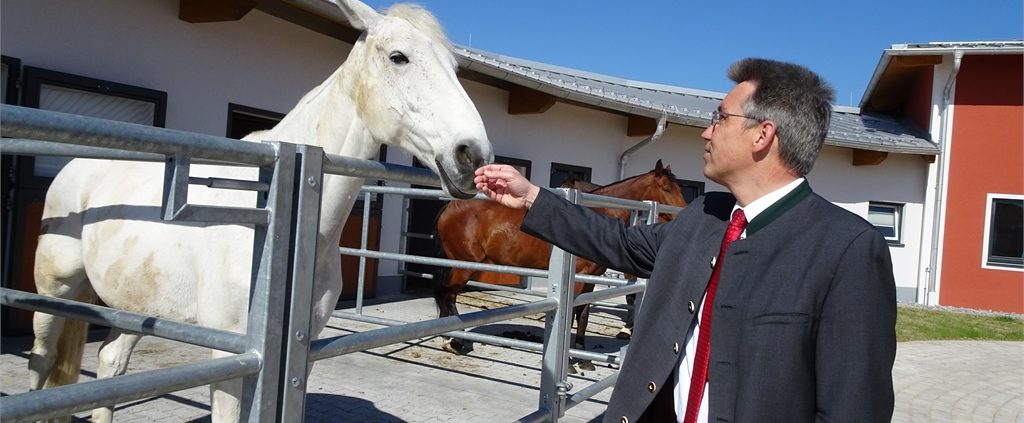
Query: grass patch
{"type": "Point", "coordinates": [920, 324]}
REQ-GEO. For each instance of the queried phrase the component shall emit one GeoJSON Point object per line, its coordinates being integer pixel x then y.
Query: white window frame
{"type": "Point", "coordinates": [985, 264]}
{"type": "Point", "coordinates": [897, 210]}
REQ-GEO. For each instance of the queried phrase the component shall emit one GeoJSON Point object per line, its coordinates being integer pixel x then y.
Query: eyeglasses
{"type": "Point", "coordinates": [718, 116]}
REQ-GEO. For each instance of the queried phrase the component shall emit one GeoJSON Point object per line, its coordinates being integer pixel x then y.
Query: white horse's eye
{"type": "Point", "coordinates": [399, 58]}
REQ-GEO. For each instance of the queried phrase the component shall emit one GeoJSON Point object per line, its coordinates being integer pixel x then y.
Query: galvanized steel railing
{"type": "Point", "coordinates": [289, 174]}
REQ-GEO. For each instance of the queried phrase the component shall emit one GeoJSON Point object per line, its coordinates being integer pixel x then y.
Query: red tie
{"type": "Point", "coordinates": [703, 355]}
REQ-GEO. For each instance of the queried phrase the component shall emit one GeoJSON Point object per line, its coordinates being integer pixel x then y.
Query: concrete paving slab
{"type": "Point", "coordinates": [415, 381]}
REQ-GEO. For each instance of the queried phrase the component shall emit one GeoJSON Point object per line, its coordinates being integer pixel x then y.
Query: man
{"type": "Point", "coordinates": [798, 322]}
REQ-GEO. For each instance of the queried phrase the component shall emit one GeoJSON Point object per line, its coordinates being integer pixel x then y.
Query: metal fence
{"type": "Point", "coordinates": [274, 355]}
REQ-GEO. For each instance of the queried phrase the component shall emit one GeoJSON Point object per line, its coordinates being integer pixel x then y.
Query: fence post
{"type": "Point", "coordinates": [307, 196]}
{"type": "Point", "coordinates": [261, 392]}
{"type": "Point", "coordinates": [554, 385]}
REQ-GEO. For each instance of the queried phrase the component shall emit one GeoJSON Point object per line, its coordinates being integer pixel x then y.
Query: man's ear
{"type": "Point", "coordinates": [766, 137]}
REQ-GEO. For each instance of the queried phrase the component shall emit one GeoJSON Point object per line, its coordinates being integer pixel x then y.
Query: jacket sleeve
{"type": "Point", "coordinates": [856, 337]}
{"type": "Point", "coordinates": [599, 238]}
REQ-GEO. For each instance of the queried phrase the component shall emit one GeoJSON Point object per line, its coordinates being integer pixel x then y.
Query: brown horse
{"type": "Point", "coordinates": [487, 232]}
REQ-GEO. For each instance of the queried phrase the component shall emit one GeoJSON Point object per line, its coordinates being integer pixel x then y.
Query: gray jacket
{"type": "Point", "coordinates": [804, 319]}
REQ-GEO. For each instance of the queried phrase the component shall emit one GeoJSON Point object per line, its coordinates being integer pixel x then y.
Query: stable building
{"type": "Point", "coordinates": [229, 67]}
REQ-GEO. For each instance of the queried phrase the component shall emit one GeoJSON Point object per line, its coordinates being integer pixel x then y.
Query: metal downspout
{"type": "Point", "coordinates": [940, 177]}
{"type": "Point", "coordinates": [651, 139]}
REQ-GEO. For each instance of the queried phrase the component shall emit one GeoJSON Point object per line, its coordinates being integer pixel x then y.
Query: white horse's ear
{"type": "Point", "coordinates": [358, 13]}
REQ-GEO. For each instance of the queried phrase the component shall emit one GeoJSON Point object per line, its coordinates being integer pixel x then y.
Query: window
{"type": "Point", "coordinates": [888, 219]}
{"type": "Point", "coordinates": [561, 172]}
{"type": "Point", "coordinates": [691, 189]}
{"type": "Point", "coordinates": [523, 166]}
{"type": "Point", "coordinates": [243, 120]}
{"type": "Point", "coordinates": [1004, 231]}
{"type": "Point", "coordinates": [67, 93]}
{"type": "Point", "coordinates": [10, 68]}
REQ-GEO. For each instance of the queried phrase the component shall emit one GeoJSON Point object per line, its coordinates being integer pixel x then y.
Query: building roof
{"type": "Point", "coordinates": [684, 106]}
{"type": "Point", "coordinates": [850, 128]}
{"type": "Point", "coordinates": [889, 68]}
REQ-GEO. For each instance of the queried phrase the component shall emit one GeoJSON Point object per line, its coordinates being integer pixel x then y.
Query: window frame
{"type": "Point", "coordinates": [986, 245]}
{"type": "Point", "coordinates": [686, 184]}
{"type": "Point", "coordinates": [565, 167]}
{"type": "Point", "coordinates": [13, 79]}
{"type": "Point", "coordinates": [242, 110]}
{"type": "Point", "coordinates": [522, 165]}
{"type": "Point", "coordinates": [897, 208]}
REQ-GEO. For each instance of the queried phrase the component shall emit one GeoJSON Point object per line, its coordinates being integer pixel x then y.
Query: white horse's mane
{"type": "Point", "coordinates": [422, 20]}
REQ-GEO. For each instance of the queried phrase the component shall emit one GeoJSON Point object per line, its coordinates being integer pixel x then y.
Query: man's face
{"type": "Point", "coordinates": [729, 146]}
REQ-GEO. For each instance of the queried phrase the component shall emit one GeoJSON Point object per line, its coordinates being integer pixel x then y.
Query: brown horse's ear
{"type": "Point", "coordinates": [668, 168]}
{"type": "Point", "coordinates": [658, 167]}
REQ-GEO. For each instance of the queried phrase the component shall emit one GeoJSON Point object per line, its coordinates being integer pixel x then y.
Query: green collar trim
{"type": "Point", "coordinates": [779, 208]}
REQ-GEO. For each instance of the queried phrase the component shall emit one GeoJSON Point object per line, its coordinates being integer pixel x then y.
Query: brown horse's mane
{"type": "Point", "coordinates": [665, 172]}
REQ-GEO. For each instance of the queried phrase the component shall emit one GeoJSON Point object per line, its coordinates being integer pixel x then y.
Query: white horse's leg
{"type": "Point", "coordinates": [225, 397]}
{"type": "Point", "coordinates": [113, 361]}
{"type": "Point", "coordinates": [58, 273]}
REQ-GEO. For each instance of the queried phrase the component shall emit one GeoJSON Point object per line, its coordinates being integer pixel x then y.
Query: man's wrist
{"type": "Point", "coordinates": [531, 196]}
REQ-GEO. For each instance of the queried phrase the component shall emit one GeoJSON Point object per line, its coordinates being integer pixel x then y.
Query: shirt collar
{"type": "Point", "coordinates": [761, 204]}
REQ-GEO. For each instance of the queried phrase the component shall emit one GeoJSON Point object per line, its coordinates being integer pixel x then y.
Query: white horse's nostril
{"type": "Point", "coordinates": [464, 155]}
{"type": "Point", "coordinates": [468, 155]}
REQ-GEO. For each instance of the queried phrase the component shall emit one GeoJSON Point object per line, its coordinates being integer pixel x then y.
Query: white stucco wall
{"type": "Point", "coordinates": [261, 61]}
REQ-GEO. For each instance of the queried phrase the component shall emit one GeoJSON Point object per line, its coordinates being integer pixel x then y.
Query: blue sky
{"type": "Point", "coordinates": [690, 43]}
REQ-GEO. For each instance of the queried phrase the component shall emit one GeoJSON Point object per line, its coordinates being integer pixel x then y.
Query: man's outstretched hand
{"type": "Point", "coordinates": [505, 185]}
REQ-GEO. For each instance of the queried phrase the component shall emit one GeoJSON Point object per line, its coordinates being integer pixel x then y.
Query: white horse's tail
{"type": "Point", "coordinates": [70, 348]}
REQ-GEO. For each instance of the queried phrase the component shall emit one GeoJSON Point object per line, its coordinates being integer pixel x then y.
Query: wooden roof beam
{"type": "Point", "coordinates": [641, 126]}
{"type": "Point", "coordinates": [198, 11]}
{"type": "Point", "coordinates": [868, 157]}
{"type": "Point", "coordinates": [525, 101]}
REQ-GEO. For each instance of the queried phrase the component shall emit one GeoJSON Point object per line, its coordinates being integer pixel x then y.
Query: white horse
{"type": "Point", "coordinates": [102, 234]}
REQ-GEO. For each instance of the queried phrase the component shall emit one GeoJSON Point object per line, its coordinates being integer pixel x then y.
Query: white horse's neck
{"type": "Point", "coordinates": [326, 117]}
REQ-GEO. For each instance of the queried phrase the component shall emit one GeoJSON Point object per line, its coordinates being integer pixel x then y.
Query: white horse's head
{"type": "Point", "coordinates": [408, 95]}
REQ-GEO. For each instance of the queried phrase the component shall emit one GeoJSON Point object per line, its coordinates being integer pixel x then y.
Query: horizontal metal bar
{"type": "Point", "coordinates": [539, 416]}
{"type": "Point", "coordinates": [26, 147]}
{"type": "Point", "coordinates": [422, 193]}
{"type": "Point", "coordinates": [594, 200]}
{"type": "Point", "coordinates": [350, 166]}
{"type": "Point", "coordinates": [225, 183]}
{"type": "Point", "coordinates": [415, 274]}
{"type": "Point", "coordinates": [24, 122]}
{"type": "Point", "coordinates": [484, 338]}
{"type": "Point", "coordinates": [496, 287]}
{"type": "Point", "coordinates": [587, 393]}
{"type": "Point", "coordinates": [219, 214]}
{"type": "Point", "coordinates": [335, 346]}
{"type": "Point", "coordinates": [604, 294]}
{"type": "Point", "coordinates": [416, 235]}
{"type": "Point", "coordinates": [146, 325]}
{"type": "Point", "coordinates": [443, 262]}
{"type": "Point", "coordinates": [69, 399]}
{"type": "Point", "coordinates": [526, 271]}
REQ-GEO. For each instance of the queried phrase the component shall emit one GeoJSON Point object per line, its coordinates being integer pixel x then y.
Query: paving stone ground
{"type": "Point", "coordinates": [415, 381]}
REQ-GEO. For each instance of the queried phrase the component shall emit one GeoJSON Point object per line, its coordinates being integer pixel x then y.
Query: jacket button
{"type": "Point", "coordinates": [651, 387]}
{"type": "Point", "coordinates": [691, 307]}
{"type": "Point", "coordinates": [675, 348]}
{"type": "Point", "coordinates": [623, 419]}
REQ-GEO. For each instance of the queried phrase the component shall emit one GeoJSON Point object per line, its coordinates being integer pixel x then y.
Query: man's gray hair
{"type": "Point", "coordinates": [796, 99]}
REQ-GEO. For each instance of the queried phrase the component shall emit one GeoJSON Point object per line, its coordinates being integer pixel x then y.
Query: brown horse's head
{"type": "Point", "coordinates": [658, 185]}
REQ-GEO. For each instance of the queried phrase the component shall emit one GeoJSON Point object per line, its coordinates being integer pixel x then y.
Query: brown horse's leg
{"type": "Point", "coordinates": [626, 331]}
{"type": "Point", "coordinates": [581, 314]}
{"type": "Point", "coordinates": [446, 290]}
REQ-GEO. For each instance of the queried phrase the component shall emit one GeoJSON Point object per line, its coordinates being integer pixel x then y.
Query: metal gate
{"type": "Point", "coordinates": [272, 358]}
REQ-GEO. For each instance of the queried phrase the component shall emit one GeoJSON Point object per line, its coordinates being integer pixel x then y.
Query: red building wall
{"type": "Point", "coordinates": [987, 156]}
